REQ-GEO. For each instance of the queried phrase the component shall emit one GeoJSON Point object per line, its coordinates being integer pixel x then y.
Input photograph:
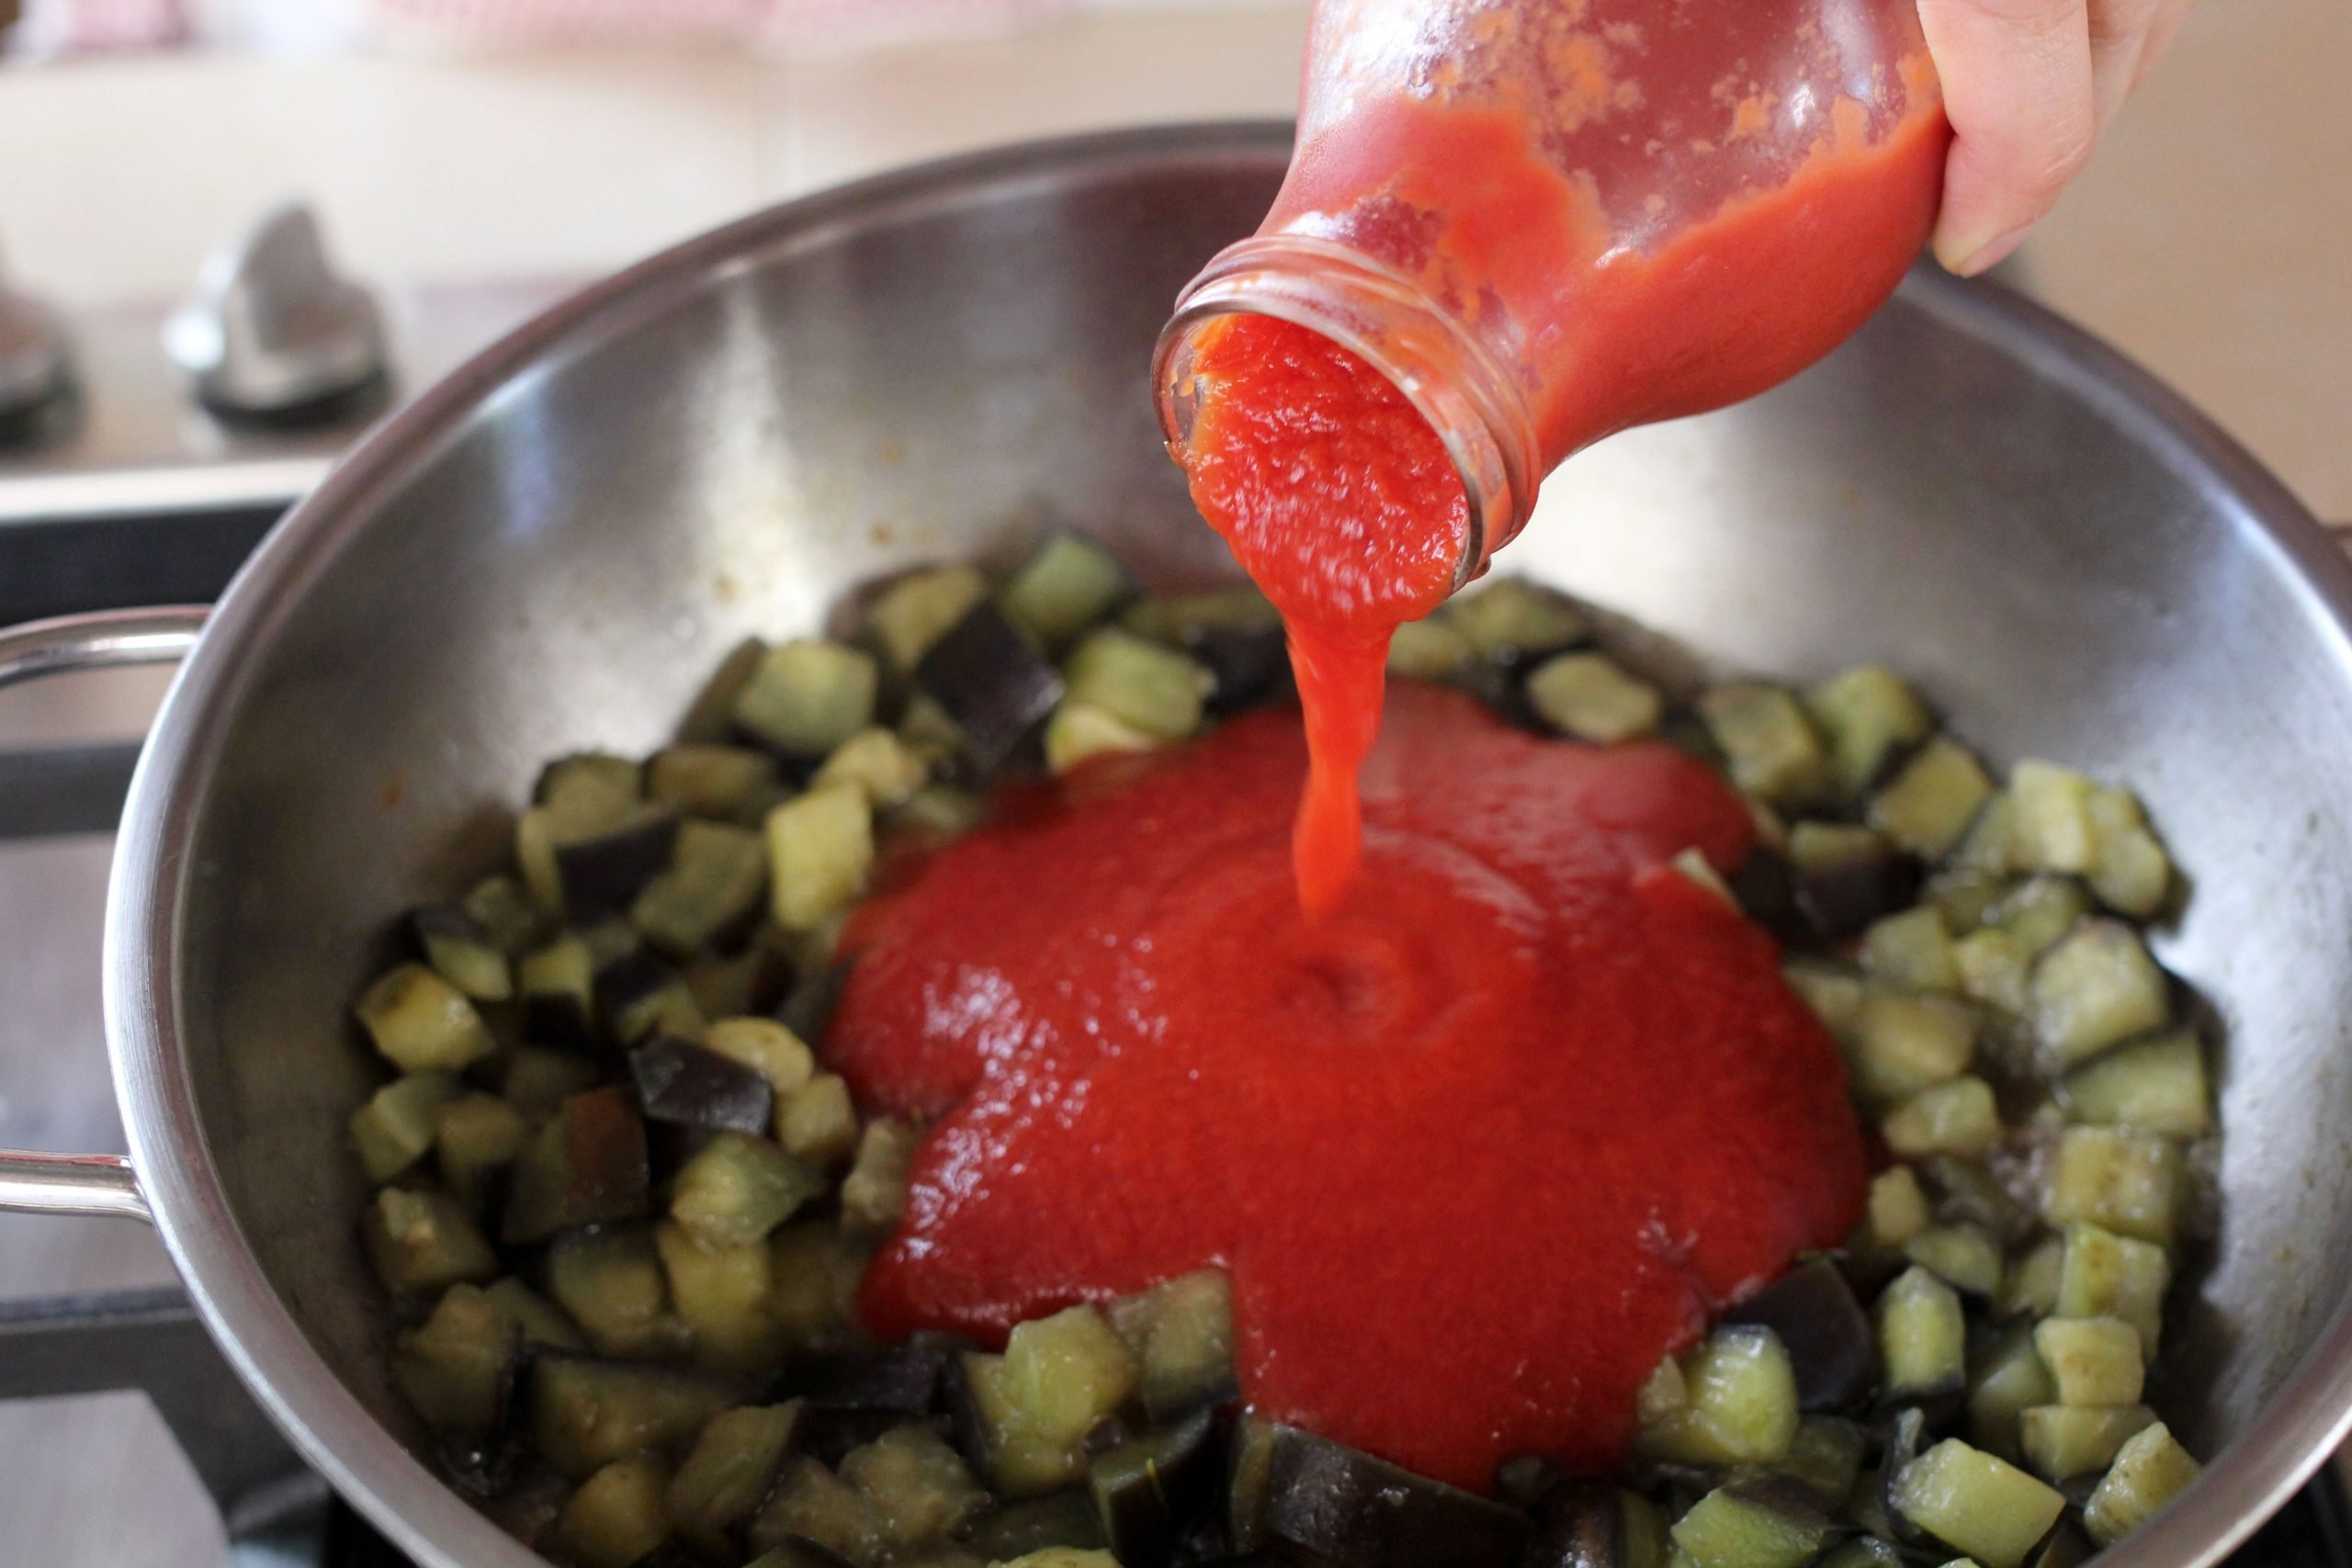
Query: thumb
{"type": "Point", "coordinates": [2017, 83]}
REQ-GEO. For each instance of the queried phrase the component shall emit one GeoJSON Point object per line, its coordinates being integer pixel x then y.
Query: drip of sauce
{"type": "Point", "coordinates": [1512, 1120]}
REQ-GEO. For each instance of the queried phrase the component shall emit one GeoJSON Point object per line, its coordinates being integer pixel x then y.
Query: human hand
{"type": "Point", "coordinates": [2029, 85]}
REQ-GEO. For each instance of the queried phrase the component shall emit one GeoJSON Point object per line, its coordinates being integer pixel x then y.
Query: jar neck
{"type": "Point", "coordinates": [1385, 319]}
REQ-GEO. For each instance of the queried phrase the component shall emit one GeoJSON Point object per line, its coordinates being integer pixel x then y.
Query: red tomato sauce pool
{"type": "Point", "coordinates": [1511, 1121]}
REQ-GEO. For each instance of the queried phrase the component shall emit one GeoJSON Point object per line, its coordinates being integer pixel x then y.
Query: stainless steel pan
{"type": "Point", "coordinates": [548, 550]}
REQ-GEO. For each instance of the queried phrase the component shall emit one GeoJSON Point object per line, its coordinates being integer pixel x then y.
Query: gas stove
{"type": "Point", "coordinates": [143, 452]}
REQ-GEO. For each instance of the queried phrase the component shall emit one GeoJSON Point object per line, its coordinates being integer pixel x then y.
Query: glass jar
{"type": "Point", "coordinates": [1545, 220]}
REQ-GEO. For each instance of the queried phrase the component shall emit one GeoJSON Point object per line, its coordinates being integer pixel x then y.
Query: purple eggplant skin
{"type": "Point", "coordinates": [808, 1008]}
{"type": "Point", "coordinates": [586, 1166]}
{"type": "Point", "coordinates": [603, 875]}
{"type": "Point", "coordinates": [1150, 1491]}
{"type": "Point", "coordinates": [1764, 887]}
{"type": "Point", "coordinates": [1346, 1508]}
{"type": "Point", "coordinates": [987, 679]}
{"type": "Point", "coordinates": [1831, 1347]}
{"type": "Point", "coordinates": [1250, 664]}
{"type": "Point", "coordinates": [1578, 1525]}
{"type": "Point", "coordinates": [625, 981]}
{"type": "Point", "coordinates": [1840, 899]}
{"type": "Point", "coordinates": [686, 1085]}
{"type": "Point", "coordinates": [851, 1397]}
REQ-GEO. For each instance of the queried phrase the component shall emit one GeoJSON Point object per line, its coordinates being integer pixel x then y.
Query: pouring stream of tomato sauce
{"type": "Point", "coordinates": [1483, 1105]}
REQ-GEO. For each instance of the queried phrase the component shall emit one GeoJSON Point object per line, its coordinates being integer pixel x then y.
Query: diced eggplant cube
{"type": "Point", "coordinates": [918, 1487]}
{"type": "Point", "coordinates": [772, 1049]}
{"type": "Point", "coordinates": [1736, 1405]}
{"type": "Point", "coordinates": [475, 1137]}
{"type": "Point", "coordinates": [1338, 1505]}
{"type": "Point", "coordinates": [708, 895]}
{"type": "Point", "coordinates": [2097, 988]}
{"type": "Point", "coordinates": [462, 952]}
{"type": "Point", "coordinates": [1080, 732]}
{"type": "Point", "coordinates": [689, 1086]}
{"type": "Point", "coordinates": [1067, 584]}
{"type": "Point", "coordinates": [2150, 1471]}
{"type": "Point", "coordinates": [1065, 1520]}
{"type": "Point", "coordinates": [720, 1294]}
{"type": "Point", "coordinates": [1954, 1118]}
{"type": "Point", "coordinates": [808, 697]}
{"type": "Point", "coordinates": [1904, 1043]}
{"type": "Point", "coordinates": [610, 1282]}
{"type": "Point", "coordinates": [816, 1123]}
{"type": "Point", "coordinates": [2052, 830]}
{"type": "Point", "coordinates": [877, 763]}
{"type": "Point", "coordinates": [421, 1240]}
{"type": "Point", "coordinates": [639, 996]}
{"type": "Point", "coordinates": [586, 1412]}
{"type": "Point", "coordinates": [1431, 649]}
{"type": "Point", "coordinates": [502, 906]}
{"type": "Point", "coordinates": [710, 717]}
{"type": "Point", "coordinates": [2158, 1086]}
{"type": "Point", "coordinates": [589, 787]}
{"type": "Point", "coordinates": [2092, 1361]}
{"type": "Point", "coordinates": [1765, 888]}
{"type": "Point", "coordinates": [1847, 876]}
{"type": "Point", "coordinates": [1911, 949]}
{"type": "Point", "coordinates": [873, 1193]}
{"type": "Point", "coordinates": [1512, 622]}
{"type": "Point", "coordinates": [1964, 1257]}
{"type": "Point", "coordinates": [718, 784]}
{"type": "Point", "coordinates": [458, 1368]}
{"type": "Point", "coordinates": [1181, 1332]}
{"type": "Point", "coordinates": [1869, 716]}
{"type": "Point", "coordinates": [616, 1519]}
{"type": "Point", "coordinates": [1588, 697]}
{"type": "Point", "coordinates": [1928, 807]}
{"type": "Point", "coordinates": [420, 1022]}
{"type": "Point", "coordinates": [2063, 1441]}
{"type": "Point", "coordinates": [602, 874]}
{"type": "Point", "coordinates": [558, 984]}
{"type": "Point", "coordinates": [1754, 1525]}
{"type": "Point", "coordinates": [2004, 1381]}
{"type": "Point", "coordinates": [811, 1505]}
{"type": "Point", "coordinates": [1898, 1209]}
{"type": "Point", "coordinates": [733, 1464]}
{"type": "Point", "coordinates": [394, 1129]}
{"type": "Point", "coordinates": [1977, 1503]}
{"type": "Point", "coordinates": [739, 1187]}
{"type": "Point", "coordinates": [1773, 749]}
{"type": "Point", "coordinates": [1149, 688]}
{"type": "Point", "coordinates": [1246, 665]}
{"type": "Point", "coordinates": [908, 618]}
{"type": "Point", "coordinates": [1923, 1341]}
{"type": "Point", "coordinates": [1813, 1313]}
{"type": "Point", "coordinates": [1149, 1490]}
{"type": "Point", "coordinates": [1032, 1407]}
{"type": "Point", "coordinates": [991, 682]}
{"type": "Point", "coordinates": [2101, 1274]}
{"type": "Point", "coordinates": [821, 847]}
{"type": "Point", "coordinates": [1584, 1524]}
{"type": "Point", "coordinates": [2129, 871]}
{"type": "Point", "coordinates": [586, 1166]}
{"type": "Point", "coordinates": [2127, 1182]}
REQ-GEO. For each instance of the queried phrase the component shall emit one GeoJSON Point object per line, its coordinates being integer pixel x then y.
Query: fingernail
{"type": "Point", "coordinates": [1969, 261]}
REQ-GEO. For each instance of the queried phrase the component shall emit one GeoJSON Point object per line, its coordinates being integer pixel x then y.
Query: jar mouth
{"type": "Point", "coordinates": [1389, 323]}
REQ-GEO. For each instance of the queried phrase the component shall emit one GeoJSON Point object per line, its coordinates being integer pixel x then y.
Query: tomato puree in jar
{"type": "Point", "coordinates": [1509, 1123]}
{"type": "Point", "coordinates": [1617, 211]}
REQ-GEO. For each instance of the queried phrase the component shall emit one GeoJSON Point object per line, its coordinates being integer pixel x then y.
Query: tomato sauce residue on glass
{"type": "Point", "coordinates": [1508, 1123]}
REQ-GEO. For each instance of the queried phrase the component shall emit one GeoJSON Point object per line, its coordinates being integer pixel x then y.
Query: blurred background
{"type": "Point", "coordinates": [470, 160]}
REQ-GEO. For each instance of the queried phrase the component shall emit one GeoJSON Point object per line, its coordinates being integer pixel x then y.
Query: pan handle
{"type": "Point", "coordinates": [85, 1184]}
